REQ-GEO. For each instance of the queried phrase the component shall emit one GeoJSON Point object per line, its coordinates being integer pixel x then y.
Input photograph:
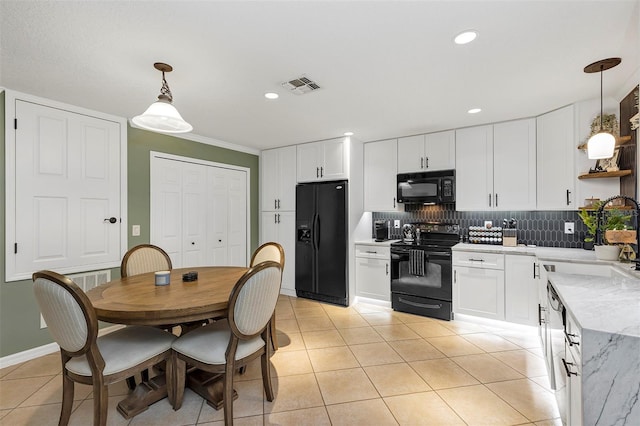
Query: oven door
{"type": "Point", "coordinates": [430, 278]}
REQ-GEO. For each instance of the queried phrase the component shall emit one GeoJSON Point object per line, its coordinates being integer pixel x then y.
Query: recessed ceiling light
{"type": "Point", "coordinates": [474, 110]}
{"type": "Point", "coordinates": [271, 95]}
{"type": "Point", "coordinates": [348, 133]}
{"type": "Point", "coordinates": [466, 37]}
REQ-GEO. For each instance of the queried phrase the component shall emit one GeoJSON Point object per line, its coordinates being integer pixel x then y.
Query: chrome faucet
{"type": "Point", "coordinates": [599, 215]}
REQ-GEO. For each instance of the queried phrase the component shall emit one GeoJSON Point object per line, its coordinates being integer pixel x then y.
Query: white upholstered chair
{"type": "Point", "coordinates": [86, 358]}
{"type": "Point", "coordinates": [144, 258]}
{"type": "Point", "coordinates": [226, 345]}
{"type": "Point", "coordinates": [138, 260]}
{"type": "Point", "coordinates": [275, 253]}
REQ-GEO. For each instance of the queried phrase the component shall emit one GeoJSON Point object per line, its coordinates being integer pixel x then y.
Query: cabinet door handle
{"type": "Point", "coordinates": [321, 171]}
{"type": "Point", "coordinates": [386, 267]}
{"type": "Point", "coordinates": [496, 199]}
{"type": "Point", "coordinates": [275, 204]}
{"type": "Point", "coordinates": [317, 172]}
{"type": "Point", "coordinates": [476, 260]}
{"type": "Point", "coordinates": [427, 162]}
{"type": "Point", "coordinates": [536, 265]}
{"type": "Point", "coordinates": [278, 217]}
{"type": "Point", "coordinates": [455, 276]}
{"type": "Point", "coordinates": [394, 202]}
{"type": "Point", "coordinates": [421, 162]}
{"type": "Point", "coordinates": [275, 218]}
{"type": "Point", "coordinates": [568, 337]}
{"type": "Point", "coordinates": [371, 252]}
{"type": "Point", "coordinates": [489, 200]}
{"type": "Point", "coordinates": [278, 203]}
{"type": "Point", "coordinates": [566, 367]}
{"type": "Point", "coordinates": [568, 194]}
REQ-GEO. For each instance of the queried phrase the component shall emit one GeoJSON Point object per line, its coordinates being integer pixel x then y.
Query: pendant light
{"type": "Point", "coordinates": [602, 144]}
{"type": "Point", "coordinates": [162, 116]}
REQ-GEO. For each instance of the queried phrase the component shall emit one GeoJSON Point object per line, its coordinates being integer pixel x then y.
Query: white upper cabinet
{"type": "Point", "coordinates": [514, 165]}
{"type": "Point", "coordinates": [474, 168]}
{"type": "Point", "coordinates": [433, 151]}
{"type": "Point", "coordinates": [496, 166]}
{"type": "Point", "coordinates": [278, 179]}
{"type": "Point", "coordinates": [555, 160]}
{"type": "Point", "coordinates": [324, 160]}
{"type": "Point", "coordinates": [380, 175]}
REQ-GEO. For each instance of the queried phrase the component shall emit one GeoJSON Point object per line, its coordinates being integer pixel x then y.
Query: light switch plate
{"type": "Point", "coordinates": [396, 223]}
{"type": "Point", "coordinates": [135, 230]}
{"type": "Point", "coordinates": [569, 227]}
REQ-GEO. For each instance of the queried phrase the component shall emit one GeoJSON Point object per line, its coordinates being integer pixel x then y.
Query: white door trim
{"type": "Point", "coordinates": [11, 167]}
{"type": "Point", "coordinates": [157, 154]}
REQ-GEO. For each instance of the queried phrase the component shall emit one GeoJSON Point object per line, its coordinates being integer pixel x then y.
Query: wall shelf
{"type": "Point", "coordinates": [607, 208]}
{"type": "Point", "coordinates": [620, 141]}
{"type": "Point", "coordinates": [601, 175]}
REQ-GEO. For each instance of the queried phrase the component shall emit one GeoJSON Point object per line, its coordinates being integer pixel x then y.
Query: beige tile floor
{"type": "Point", "coordinates": [362, 365]}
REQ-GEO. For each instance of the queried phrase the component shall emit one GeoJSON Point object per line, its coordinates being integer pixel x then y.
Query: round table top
{"type": "Point", "coordinates": [137, 300]}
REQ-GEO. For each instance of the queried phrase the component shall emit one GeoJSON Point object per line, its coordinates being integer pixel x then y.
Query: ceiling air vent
{"type": "Point", "coordinates": [301, 85]}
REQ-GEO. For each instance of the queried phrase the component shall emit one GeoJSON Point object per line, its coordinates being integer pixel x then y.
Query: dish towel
{"type": "Point", "coordinates": [416, 262]}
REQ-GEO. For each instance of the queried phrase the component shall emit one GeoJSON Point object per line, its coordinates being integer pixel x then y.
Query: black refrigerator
{"type": "Point", "coordinates": [321, 242]}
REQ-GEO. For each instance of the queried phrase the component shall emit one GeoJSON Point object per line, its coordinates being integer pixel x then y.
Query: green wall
{"type": "Point", "coordinates": [19, 313]}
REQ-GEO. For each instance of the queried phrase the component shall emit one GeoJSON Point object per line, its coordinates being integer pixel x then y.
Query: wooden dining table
{"type": "Point", "coordinates": [137, 300]}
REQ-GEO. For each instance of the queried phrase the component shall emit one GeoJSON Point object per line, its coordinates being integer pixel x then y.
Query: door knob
{"type": "Point", "coordinates": [111, 220]}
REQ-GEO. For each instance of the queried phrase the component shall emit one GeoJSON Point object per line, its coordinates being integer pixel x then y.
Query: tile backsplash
{"type": "Point", "coordinates": [540, 228]}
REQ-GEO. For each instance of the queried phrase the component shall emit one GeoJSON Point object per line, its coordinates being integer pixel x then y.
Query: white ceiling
{"type": "Point", "coordinates": [387, 68]}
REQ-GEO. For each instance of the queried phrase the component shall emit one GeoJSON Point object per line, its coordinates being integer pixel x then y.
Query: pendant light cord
{"type": "Point", "coordinates": [601, 108]}
{"type": "Point", "coordinates": [167, 92]}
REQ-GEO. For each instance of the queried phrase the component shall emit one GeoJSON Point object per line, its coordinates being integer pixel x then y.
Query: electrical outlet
{"type": "Point", "coordinates": [135, 230]}
{"type": "Point", "coordinates": [569, 227]}
{"type": "Point", "coordinates": [396, 223]}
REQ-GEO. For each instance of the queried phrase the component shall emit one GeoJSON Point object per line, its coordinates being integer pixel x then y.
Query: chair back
{"type": "Point", "coordinates": [253, 299]}
{"type": "Point", "coordinates": [67, 310]}
{"type": "Point", "coordinates": [144, 258]}
{"type": "Point", "coordinates": [268, 251]}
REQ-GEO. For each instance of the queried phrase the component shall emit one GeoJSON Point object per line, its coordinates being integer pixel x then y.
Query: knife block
{"type": "Point", "coordinates": [509, 237]}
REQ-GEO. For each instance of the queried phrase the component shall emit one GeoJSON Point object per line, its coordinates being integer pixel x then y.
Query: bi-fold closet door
{"type": "Point", "coordinates": [199, 213]}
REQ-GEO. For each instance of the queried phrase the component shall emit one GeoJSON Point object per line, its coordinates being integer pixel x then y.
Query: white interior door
{"type": "Point", "coordinates": [199, 212]}
{"type": "Point", "coordinates": [66, 190]}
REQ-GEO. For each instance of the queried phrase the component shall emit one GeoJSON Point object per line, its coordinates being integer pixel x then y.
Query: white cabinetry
{"type": "Point", "coordinates": [496, 166]}
{"type": "Point", "coordinates": [573, 360]}
{"type": "Point", "coordinates": [372, 272]}
{"type": "Point", "coordinates": [278, 179]}
{"type": "Point", "coordinates": [433, 151]}
{"type": "Point", "coordinates": [478, 284]}
{"type": "Point", "coordinates": [521, 291]}
{"type": "Point", "coordinates": [555, 160]}
{"type": "Point", "coordinates": [280, 227]}
{"type": "Point", "coordinates": [324, 160]}
{"type": "Point", "coordinates": [380, 169]}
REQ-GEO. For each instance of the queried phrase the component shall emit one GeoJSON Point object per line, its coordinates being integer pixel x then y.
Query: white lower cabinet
{"type": "Point", "coordinates": [280, 227]}
{"type": "Point", "coordinates": [478, 289]}
{"type": "Point", "coordinates": [373, 272]}
{"type": "Point", "coordinates": [573, 361]}
{"type": "Point", "coordinates": [521, 289]}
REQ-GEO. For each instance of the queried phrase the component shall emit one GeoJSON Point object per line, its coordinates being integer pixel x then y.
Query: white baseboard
{"type": "Point", "coordinates": [288, 292]}
{"type": "Point", "coordinates": [360, 299]}
{"type": "Point", "coordinates": [29, 354]}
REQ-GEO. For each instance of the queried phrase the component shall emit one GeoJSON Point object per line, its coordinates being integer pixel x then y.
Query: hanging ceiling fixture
{"type": "Point", "coordinates": [602, 144]}
{"type": "Point", "coordinates": [162, 116]}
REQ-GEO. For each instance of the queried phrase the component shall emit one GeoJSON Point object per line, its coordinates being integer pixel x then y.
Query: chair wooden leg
{"type": "Point", "coordinates": [274, 337]}
{"type": "Point", "coordinates": [228, 394]}
{"type": "Point", "coordinates": [266, 375]}
{"type": "Point", "coordinates": [100, 403]}
{"type": "Point", "coordinates": [171, 380]}
{"type": "Point", "coordinates": [179, 376]}
{"type": "Point", "coordinates": [67, 400]}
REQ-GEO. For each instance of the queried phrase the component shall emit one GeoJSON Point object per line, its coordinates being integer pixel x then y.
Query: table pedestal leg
{"type": "Point", "coordinates": [145, 394]}
{"type": "Point", "coordinates": [209, 386]}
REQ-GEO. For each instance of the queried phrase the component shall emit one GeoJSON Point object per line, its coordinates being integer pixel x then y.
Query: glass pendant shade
{"type": "Point", "coordinates": [161, 116]}
{"type": "Point", "coordinates": [601, 145]}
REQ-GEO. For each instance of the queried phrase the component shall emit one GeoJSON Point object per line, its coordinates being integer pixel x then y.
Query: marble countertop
{"type": "Point", "coordinates": [604, 304]}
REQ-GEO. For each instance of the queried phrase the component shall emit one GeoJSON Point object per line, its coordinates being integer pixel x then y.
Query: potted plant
{"type": "Point", "coordinates": [590, 221]}
{"type": "Point", "coordinates": [616, 233]}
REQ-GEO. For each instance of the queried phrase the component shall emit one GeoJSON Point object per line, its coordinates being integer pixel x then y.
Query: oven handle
{"type": "Point", "coordinates": [427, 253]}
{"type": "Point", "coordinates": [419, 305]}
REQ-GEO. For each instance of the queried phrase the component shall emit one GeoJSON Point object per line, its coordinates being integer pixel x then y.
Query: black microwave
{"type": "Point", "coordinates": [427, 187]}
